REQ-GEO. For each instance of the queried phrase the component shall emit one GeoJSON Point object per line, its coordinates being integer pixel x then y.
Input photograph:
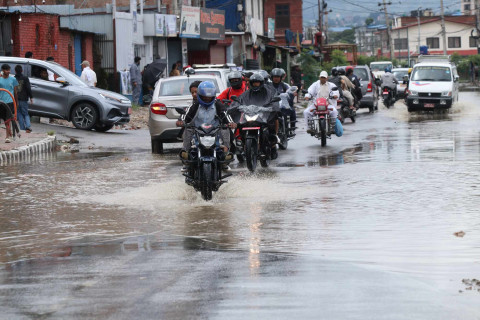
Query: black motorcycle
{"type": "Point", "coordinates": [387, 95]}
{"type": "Point", "coordinates": [205, 159]}
{"type": "Point", "coordinates": [257, 142]}
{"type": "Point", "coordinates": [286, 128]}
{"type": "Point", "coordinates": [345, 111]}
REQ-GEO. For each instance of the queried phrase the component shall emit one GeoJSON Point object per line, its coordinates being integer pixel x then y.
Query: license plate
{"type": "Point", "coordinates": [429, 105]}
{"type": "Point", "coordinates": [129, 110]}
{"type": "Point", "coordinates": [403, 86]}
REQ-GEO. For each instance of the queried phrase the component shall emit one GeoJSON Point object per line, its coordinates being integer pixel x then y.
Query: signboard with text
{"type": "Point", "coordinates": [271, 28]}
{"type": "Point", "coordinates": [190, 22]}
{"type": "Point", "coordinates": [212, 24]}
{"type": "Point", "coordinates": [165, 25]}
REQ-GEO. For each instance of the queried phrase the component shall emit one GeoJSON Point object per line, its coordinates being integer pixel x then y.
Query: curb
{"type": "Point", "coordinates": [29, 151]}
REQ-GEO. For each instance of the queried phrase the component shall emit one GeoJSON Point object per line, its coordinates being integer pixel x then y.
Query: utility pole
{"type": "Point", "coordinates": [320, 23]}
{"type": "Point", "coordinates": [444, 36]}
{"type": "Point", "coordinates": [387, 21]}
{"type": "Point", "coordinates": [477, 15]}
{"type": "Point", "coordinates": [418, 21]}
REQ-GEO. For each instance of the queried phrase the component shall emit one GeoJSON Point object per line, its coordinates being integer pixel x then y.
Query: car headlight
{"type": "Point", "coordinates": [110, 98]}
{"type": "Point", "coordinates": [252, 118]}
{"type": "Point", "coordinates": [207, 141]}
{"type": "Point", "coordinates": [446, 93]}
{"type": "Point", "coordinates": [413, 93]}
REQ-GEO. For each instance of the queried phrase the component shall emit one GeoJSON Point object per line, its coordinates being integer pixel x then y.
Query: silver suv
{"type": "Point", "coordinates": [69, 98]}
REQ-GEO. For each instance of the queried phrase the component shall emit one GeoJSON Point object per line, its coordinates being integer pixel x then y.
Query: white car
{"type": "Point", "coordinates": [378, 68]}
{"type": "Point", "coordinates": [220, 71]}
{"type": "Point", "coordinates": [433, 84]}
{"type": "Point", "coordinates": [170, 93]}
{"type": "Point", "coordinates": [399, 74]}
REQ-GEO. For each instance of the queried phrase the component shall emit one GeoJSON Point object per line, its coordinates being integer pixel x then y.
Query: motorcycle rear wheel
{"type": "Point", "coordinates": [251, 150]}
{"type": "Point", "coordinates": [206, 184]}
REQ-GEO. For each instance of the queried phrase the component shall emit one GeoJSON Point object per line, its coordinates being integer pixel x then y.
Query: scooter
{"type": "Point", "coordinates": [387, 95]}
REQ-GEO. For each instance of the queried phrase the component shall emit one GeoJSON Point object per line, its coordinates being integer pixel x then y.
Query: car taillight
{"type": "Point", "coordinates": [158, 108]}
{"type": "Point", "coordinates": [369, 87]}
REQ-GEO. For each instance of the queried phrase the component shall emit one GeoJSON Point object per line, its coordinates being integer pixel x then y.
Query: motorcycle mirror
{"type": "Point", "coordinates": [334, 88]}
{"type": "Point", "coordinates": [62, 80]}
{"type": "Point", "coordinates": [226, 101]}
{"type": "Point", "coordinates": [180, 110]}
{"type": "Point", "coordinates": [276, 99]}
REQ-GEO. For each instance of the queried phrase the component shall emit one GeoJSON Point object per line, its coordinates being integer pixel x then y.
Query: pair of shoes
{"type": "Point", "coordinates": [28, 130]}
{"type": "Point", "coordinates": [7, 140]}
{"type": "Point", "coordinates": [184, 169]}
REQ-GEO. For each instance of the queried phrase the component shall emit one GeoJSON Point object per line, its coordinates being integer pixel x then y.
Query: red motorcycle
{"type": "Point", "coordinates": [320, 122]}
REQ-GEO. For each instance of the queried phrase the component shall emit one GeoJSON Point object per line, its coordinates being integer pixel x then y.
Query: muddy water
{"type": "Point", "coordinates": [389, 195]}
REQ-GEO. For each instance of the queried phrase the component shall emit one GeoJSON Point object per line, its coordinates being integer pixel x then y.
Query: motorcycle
{"type": "Point", "coordinates": [387, 95]}
{"type": "Point", "coordinates": [320, 122]}
{"type": "Point", "coordinates": [285, 130]}
{"type": "Point", "coordinates": [255, 138]}
{"type": "Point", "coordinates": [345, 111]}
{"type": "Point", "coordinates": [205, 159]}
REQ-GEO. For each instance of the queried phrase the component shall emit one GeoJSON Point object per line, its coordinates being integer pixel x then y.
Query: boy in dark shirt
{"type": "Point", "coordinates": [24, 92]}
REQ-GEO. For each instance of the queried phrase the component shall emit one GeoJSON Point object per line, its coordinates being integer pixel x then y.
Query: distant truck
{"type": "Point", "coordinates": [378, 68]}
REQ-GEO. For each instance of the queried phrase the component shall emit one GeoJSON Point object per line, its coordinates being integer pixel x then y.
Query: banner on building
{"type": "Point", "coordinates": [165, 25]}
{"type": "Point", "coordinates": [212, 24]}
{"type": "Point", "coordinates": [190, 22]}
{"type": "Point", "coordinates": [271, 28]}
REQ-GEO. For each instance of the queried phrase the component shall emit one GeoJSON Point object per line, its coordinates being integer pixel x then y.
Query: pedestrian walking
{"type": "Point", "coordinates": [88, 75]}
{"type": "Point", "coordinates": [24, 92]}
{"type": "Point", "coordinates": [10, 84]}
{"type": "Point", "coordinates": [136, 80]}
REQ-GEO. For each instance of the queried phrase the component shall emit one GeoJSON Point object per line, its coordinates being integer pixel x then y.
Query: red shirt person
{"type": "Point", "coordinates": [237, 86]}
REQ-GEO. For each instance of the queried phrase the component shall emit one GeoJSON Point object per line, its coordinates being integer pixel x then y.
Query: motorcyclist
{"type": "Point", "coordinates": [266, 78]}
{"type": "Point", "coordinates": [322, 89]}
{"type": "Point", "coordinates": [280, 87]}
{"type": "Point", "coordinates": [336, 80]}
{"type": "Point", "coordinates": [205, 110]}
{"type": "Point", "coordinates": [237, 86]}
{"type": "Point", "coordinates": [389, 81]}
{"type": "Point", "coordinates": [260, 95]}
{"type": "Point", "coordinates": [354, 79]}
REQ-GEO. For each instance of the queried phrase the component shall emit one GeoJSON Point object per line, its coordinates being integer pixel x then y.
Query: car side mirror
{"type": "Point", "coordinates": [180, 110]}
{"type": "Point", "coordinates": [62, 80]}
{"type": "Point", "coordinates": [405, 79]}
{"type": "Point", "coordinates": [456, 78]}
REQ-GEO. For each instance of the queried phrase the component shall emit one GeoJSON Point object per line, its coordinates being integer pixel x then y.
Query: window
{"type": "Point", "coordinates": [282, 16]}
{"type": "Point", "coordinates": [400, 44]}
{"type": "Point", "coordinates": [427, 73]}
{"type": "Point", "coordinates": [473, 42]}
{"type": "Point", "coordinates": [454, 42]}
{"type": "Point", "coordinates": [433, 43]}
{"type": "Point", "coordinates": [43, 73]}
{"type": "Point", "coordinates": [180, 87]}
{"type": "Point", "coordinates": [466, 7]}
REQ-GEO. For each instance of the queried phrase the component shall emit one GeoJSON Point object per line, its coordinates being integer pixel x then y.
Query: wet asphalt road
{"type": "Point", "coordinates": [361, 229]}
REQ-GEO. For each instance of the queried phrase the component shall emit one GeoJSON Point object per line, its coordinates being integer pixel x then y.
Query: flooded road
{"type": "Point", "coordinates": [367, 227]}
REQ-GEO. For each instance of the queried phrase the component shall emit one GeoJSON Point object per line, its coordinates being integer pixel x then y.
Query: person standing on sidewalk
{"type": "Point", "coordinates": [88, 75]}
{"type": "Point", "coordinates": [136, 80]}
{"type": "Point", "coordinates": [10, 84]}
{"type": "Point", "coordinates": [24, 93]}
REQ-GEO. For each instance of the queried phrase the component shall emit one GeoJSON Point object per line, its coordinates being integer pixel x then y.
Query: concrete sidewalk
{"type": "Point", "coordinates": [26, 146]}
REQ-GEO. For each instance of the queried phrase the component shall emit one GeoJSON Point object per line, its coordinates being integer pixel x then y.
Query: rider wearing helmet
{"type": "Point", "coordinates": [280, 87]}
{"type": "Point", "coordinates": [389, 81]}
{"type": "Point", "coordinates": [237, 86]}
{"type": "Point", "coordinates": [260, 95]}
{"type": "Point", "coordinates": [205, 110]}
{"type": "Point", "coordinates": [336, 79]}
{"type": "Point", "coordinates": [356, 82]}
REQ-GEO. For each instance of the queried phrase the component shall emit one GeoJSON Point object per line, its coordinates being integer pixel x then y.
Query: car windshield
{"type": "Point", "coordinates": [181, 87]}
{"type": "Point", "coordinates": [400, 74]}
{"type": "Point", "coordinates": [71, 77]}
{"type": "Point", "coordinates": [380, 66]}
{"type": "Point", "coordinates": [361, 73]}
{"type": "Point", "coordinates": [431, 73]}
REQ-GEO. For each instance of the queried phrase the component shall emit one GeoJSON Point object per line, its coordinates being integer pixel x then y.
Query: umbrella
{"type": "Point", "coordinates": [153, 72]}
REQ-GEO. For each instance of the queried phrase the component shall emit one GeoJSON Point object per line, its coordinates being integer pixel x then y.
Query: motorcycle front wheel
{"type": "Point", "coordinates": [323, 132]}
{"type": "Point", "coordinates": [251, 150]}
{"type": "Point", "coordinates": [206, 184]}
{"type": "Point", "coordinates": [283, 135]}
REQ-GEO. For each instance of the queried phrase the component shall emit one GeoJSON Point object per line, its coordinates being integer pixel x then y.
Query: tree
{"type": "Point", "coordinates": [369, 21]}
{"type": "Point", "coordinates": [346, 36]}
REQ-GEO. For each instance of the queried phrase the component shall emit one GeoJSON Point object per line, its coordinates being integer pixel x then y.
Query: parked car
{"type": "Point", "coordinates": [399, 74]}
{"type": "Point", "coordinates": [69, 98]}
{"type": "Point", "coordinates": [369, 88]}
{"type": "Point", "coordinates": [220, 71]}
{"type": "Point", "coordinates": [170, 93]}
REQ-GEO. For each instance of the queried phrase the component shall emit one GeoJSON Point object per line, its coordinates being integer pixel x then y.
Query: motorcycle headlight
{"type": "Point", "coordinates": [322, 108]}
{"type": "Point", "coordinates": [413, 93]}
{"type": "Point", "coordinates": [207, 141]}
{"type": "Point", "coordinates": [446, 93]}
{"type": "Point", "coordinates": [251, 118]}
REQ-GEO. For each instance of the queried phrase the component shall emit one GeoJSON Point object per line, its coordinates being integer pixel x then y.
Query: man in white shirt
{"type": "Point", "coordinates": [88, 75]}
{"type": "Point", "coordinates": [321, 89]}
{"type": "Point", "coordinates": [51, 75]}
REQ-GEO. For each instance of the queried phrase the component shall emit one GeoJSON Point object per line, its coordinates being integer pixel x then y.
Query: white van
{"type": "Point", "coordinates": [433, 84]}
{"type": "Point", "coordinates": [378, 68]}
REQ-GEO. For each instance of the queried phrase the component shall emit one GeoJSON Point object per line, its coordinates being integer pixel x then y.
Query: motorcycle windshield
{"type": "Point", "coordinates": [207, 128]}
{"type": "Point", "coordinates": [253, 113]}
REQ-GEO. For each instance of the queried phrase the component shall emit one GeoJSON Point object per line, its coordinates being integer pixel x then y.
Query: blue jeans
{"type": "Point", "coordinates": [22, 115]}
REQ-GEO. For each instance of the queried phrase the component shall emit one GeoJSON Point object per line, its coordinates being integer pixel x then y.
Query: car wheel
{"type": "Point", "coordinates": [84, 116]}
{"type": "Point", "coordinates": [157, 146]}
{"type": "Point", "coordinates": [100, 127]}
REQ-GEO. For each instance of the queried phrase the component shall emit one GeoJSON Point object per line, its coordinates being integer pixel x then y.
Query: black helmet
{"type": "Point", "coordinates": [235, 79]}
{"type": "Point", "coordinates": [334, 72]}
{"type": "Point", "coordinates": [341, 71]}
{"type": "Point", "coordinates": [277, 72]}
{"type": "Point", "coordinates": [265, 75]}
{"type": "Point", "coordinates": [256, 77]}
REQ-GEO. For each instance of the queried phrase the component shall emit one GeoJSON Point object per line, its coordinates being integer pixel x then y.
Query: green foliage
{"type": "Point", "coordinates": [310, 68]}
{"type": "Point", "coordinates": [51, 133]}
{"type": "Point", "coordinates": [369, 21]}
{"type": "Point", "coordinates": [338, 58]}
{"type": "Point", "coordinates": [347, 36]}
